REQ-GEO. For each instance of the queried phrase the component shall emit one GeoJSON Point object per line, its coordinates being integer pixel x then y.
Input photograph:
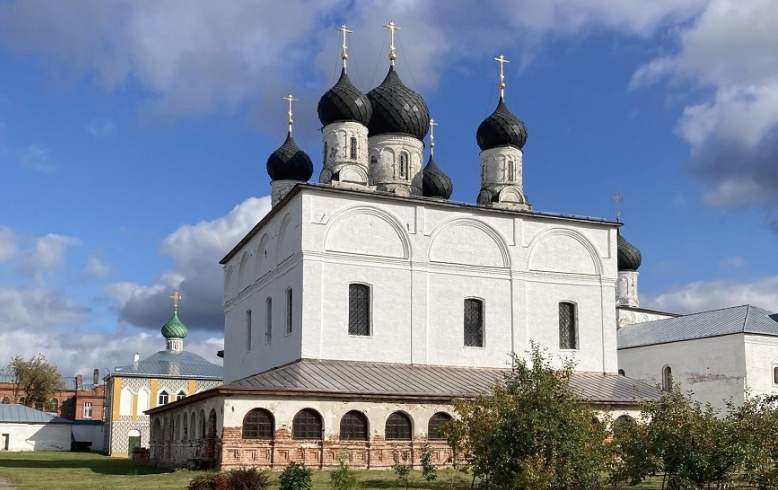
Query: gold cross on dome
{"type": "Point", "coordinates": [617, 198]}
{"type": "Point", "coordinates": [289, 121]}
{"type": "Point", "coordinates": [501, 60]}
{"type": "Point", "coordinates": [344, 55]}
{"type": "Point", "coordinates": [176, 298]}
{"type": "Point", "coordinates": [392, 27]}
{"type": "Point", "coordinates": [432, 136]}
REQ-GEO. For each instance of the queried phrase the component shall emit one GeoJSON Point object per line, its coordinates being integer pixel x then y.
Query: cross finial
{"type": "Point", "coordinates": [617, 198]}
{"type": "Point", "coordinates": [343, 54]}
{"type": "Point", "coordinates": [392, 27]}
{"type": "Point", "coordinates": [289, 121]}
{"type": "Point", "coordinates": [176, 298]}
{"type": "Point", "coordinates": [501, 60]}
{"type": "Point", "coordinates": [432, 136]}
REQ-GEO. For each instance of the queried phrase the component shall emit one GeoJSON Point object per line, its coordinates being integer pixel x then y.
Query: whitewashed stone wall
{"type": "Point", "coordinates": [36, 437]}
{"type": "Point", "coordinates": [421, 260]}
{"type": "Point", "coordinates": [714, 369]}
{"type": "Point", "coordinates": [761, 357]}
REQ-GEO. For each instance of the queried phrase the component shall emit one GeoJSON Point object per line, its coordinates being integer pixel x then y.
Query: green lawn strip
{"type": "Point", "coordinates": [91, 471]}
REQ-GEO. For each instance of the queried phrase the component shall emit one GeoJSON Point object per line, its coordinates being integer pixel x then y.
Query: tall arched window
{"type": "Point", "coordinates": [163, 398]}
{"type": "Point", "coordinates": [474, 322]}
{"type": "Point", "coordinates": [436, 425]}
{"type": "Point", "coordinates": [621, 424]}
{"type": "Point", "coordinates": [567, 326]}
{"type": "Point", "coordinates": [192, 426]}
{"type": "Point", "coordinates": [289, 310]}
{"type": "Point", "coordinates": [403, 165]}
{"type": "Point", "coordinates": [353, 427]}
{"type": "Point", "coordinates": [358, 309]}
{"type": "Point", "coordinates": [667, 379]}
{"type": "Point", "coordinates": [258, 424]}
{"type": "Point", "coordinates": [307, 425]}
{"type": "Point", "coordinates": [511, 170]}
{"type": "Point", "coordinates": [269, 319]}
{"type": "Point", "coordinates": [398, 427]}
{"type": "Point", "coordinates": [353, 148]}
{"type": "Point", "coordinates": [248, 330]}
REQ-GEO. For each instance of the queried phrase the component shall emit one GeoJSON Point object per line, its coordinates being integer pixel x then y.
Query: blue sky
{"type": "Point", "coordinates": [134, 135]}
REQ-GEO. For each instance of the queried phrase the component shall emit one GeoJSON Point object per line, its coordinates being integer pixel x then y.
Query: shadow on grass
{"type": "Point", "coordinates": [96, 463]}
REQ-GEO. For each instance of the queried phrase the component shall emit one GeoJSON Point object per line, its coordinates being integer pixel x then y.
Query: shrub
{"type": "Point", "coordinates": [401, 468]}
{"type": "Point", "coordinates": [208, 481]}
{"type": "Point", "coordinates": [295, 477]}
{"type": "Point", "coordinates": [428, 470]}
{"type": "Point", "coordinates": [343, 478]}
{"type": "Point", "coordinates": [247, 479]}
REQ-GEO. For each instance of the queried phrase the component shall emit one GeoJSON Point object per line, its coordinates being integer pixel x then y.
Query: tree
{"type": "Point", "coordinates": [34, 379]}
{"type": "Point", "coordinates": [531, 431]}
{"type": "Point", "coordinates": [758, 424]}
{"type": "Point", "coordinates": [692, 444]}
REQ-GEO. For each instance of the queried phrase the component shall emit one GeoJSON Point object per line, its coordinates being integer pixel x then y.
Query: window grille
{"type": "Point", "coordinates": [258, 424]}
{"type": "Point", "coordinates": [87, 410]}
{"type": "Point", "coordinates": [353, 148]}
{"type": "Point", "coordinates": [163, 398]}
{"type": "Point", "coordinates": [474, 323]}
{"type": "Point", "coordinates": [248, 330]}
{"type": "Point", "coordinates": [306, 425]}
{"type": "Point", "coordinates": [567, 326]}
{"type": "Point", "coordinates": [353, 427]}
{"type": "Point", "coordinates": [358, 309]}
{"type": "Point", "coordinates": [403, 166]}
{"type": "Point", "coordinates": [436, 425]}
{"type": "Point", "coordinates": [289, 310]}
{"type": "Point", "coordinates": [398, 427]}
{"type": "Point", "coordinates": [269, 320]}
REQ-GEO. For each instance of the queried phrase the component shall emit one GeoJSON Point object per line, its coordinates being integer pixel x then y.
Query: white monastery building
{"type": "Point", "coordinates": [27, 429]}
{"type": "Point", "coordinates": [358, 308]}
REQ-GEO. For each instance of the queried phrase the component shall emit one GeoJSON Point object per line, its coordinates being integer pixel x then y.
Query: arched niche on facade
{"type": "Point", "coordinates": [469, 242]}
{"type": "Point", "coordinates": [564, 250]}
{"type": "Point", "coordinates": [369, 231]}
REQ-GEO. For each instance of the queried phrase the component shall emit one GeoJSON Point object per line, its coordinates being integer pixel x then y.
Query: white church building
{"type": "Point", "coordinates": [360, 307]}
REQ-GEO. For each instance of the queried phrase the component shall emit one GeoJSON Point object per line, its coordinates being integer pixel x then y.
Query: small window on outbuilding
{"type": "Point", "coordinates": [248, 330]}
{"type": "Point", "coordinates": [353, 426]}
{"type": "Point", "coordinates": [258, 424]}
{"type": "Point", "coordinates": [436, 426]}
{"type": "Point", "coordinates": [269, 320]}
{"type": "Point", "coordinates": [775, 375]}
{"type": "Point", "coordinates": [180, 395]}
{"type": "Point", "coordinates": [163, 398]}
{"type": "Point", "coordinates": [289, 310]}
{"type": "Point", "coordinates": [307, 424]}
{"type": "Point", "coordinates": [667, 379]}
{"type": "Point", "coordinates": [398, 427]}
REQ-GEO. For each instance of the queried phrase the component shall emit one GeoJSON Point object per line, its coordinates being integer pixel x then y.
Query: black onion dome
{"type": "Point", "coordinates": [501, 128]}
{"type": "Point", "coordinates": [397, 109]}
{"type": "Point", "coordinates": [289, 162]}
{"type": "Point", "coordinates": [344, 102]}
{"type": "Point", "coordinates": [629, 257]}
{"type": "Point", "coordinates": [435, 183]}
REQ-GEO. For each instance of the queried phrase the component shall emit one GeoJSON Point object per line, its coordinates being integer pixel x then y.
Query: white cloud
{"type": "Point", "coordinates": [96, 268]}
{"type": "Point", "coordinates": [729, 51]}
{"type": "Point", "coordinates": [48, 252]}
{"type": "Point", "coordinates": [711, 295]}
{"type": "Point", "coordinates": [36, 158]}
{"type": "Point", "coordinates": [36, 309]}
{"type": "Point", "coordinates": [8, 243]}
{"type": "Point", "coordinates": [196, 273]}
{"type": "Point", "coordinates": [100, 129]}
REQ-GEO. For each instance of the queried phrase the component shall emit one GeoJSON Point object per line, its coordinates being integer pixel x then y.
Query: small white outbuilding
{"type": "Point", "coordinates": [26, 429]}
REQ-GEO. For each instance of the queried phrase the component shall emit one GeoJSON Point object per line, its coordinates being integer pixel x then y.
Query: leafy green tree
{"type": "Point", "coordinates": [758, 426]}
{"type": "Point", "coordinates": [531, 431]}
{"type": "Point", "coordinates": [295, 477]}
{"type": "Point", "coordinates": [34, 379]}
{"type": "Point", "coordinates": [692, 444]}
{"type": "Point", "coordinates": [343, 477]}
{"type": "Point", "coordinates": [401, 467]}
{"type": "Point", "coordinates": [428, 469]}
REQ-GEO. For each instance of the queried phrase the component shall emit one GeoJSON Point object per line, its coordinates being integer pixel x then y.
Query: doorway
{"type": "Point", "coordinates": [133, 441]}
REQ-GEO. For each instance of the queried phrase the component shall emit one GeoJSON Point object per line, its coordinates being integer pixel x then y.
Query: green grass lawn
{"type": "Point", "coordinates": [90, 471]}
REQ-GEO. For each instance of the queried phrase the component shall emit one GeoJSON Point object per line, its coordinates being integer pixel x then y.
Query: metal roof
{"type": "Point", "coordinates": [380, 379]}
{"type": "Point", "coordinates": [713, 323]}
{"type": "Point", "coordinates": [68, 382]}
{"type": "Point", "coordinates": [170, 364]}
{"type": "Point", "coordinates": [19, 414]}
